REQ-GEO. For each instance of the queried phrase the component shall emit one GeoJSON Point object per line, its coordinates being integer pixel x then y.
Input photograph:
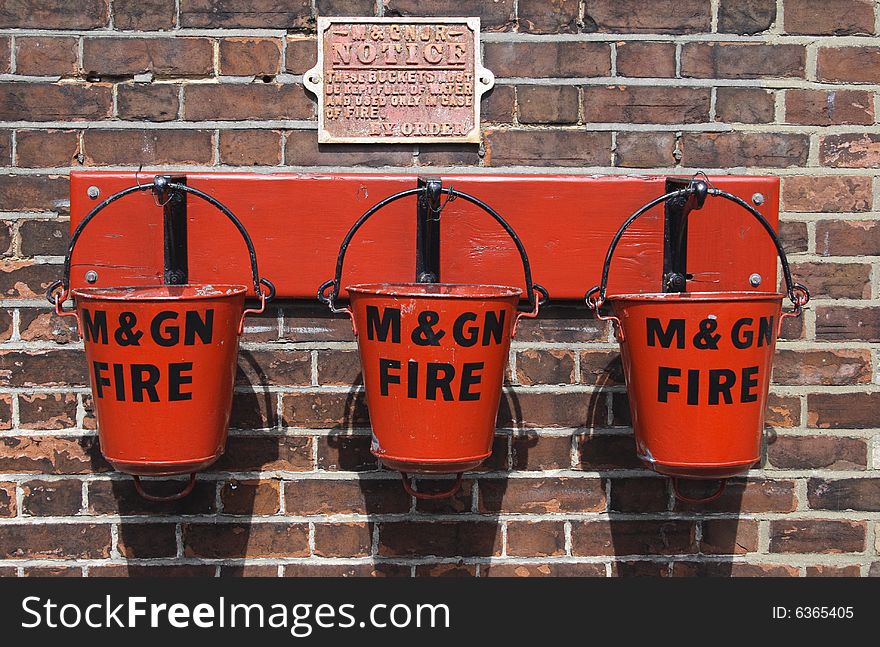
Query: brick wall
{"type": "Point", "coordinates": [786, 88]}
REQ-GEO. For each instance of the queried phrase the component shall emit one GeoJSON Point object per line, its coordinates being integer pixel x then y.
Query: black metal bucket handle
{"type": "Point", "coordinates": [531, 288]}
{"type": "Point", "coordinates": [160, 185]}
{"type": "Point", "coordinates": [797, 293]}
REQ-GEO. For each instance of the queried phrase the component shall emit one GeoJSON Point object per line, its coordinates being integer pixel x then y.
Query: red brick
{"type": "Point", "coordinates": [52, 571]}
{"type": "Point", "coordinates": [849, 64]}
{"type": "Point", "coordinates": [119, 497]}
{"type": "Point", "coordinates": [849, 238]}
{"type": "Point", "coordinates": [8, 503]}
{"type": "Point", "coordinates": [5, 330]}
{"type": "Point", "coordinates": [663, 16]}
{"type": "Point", "coordinates": [644, 150]}
{"type": "Point", "coordinates": [547, 148]}
{"type": "Point", "coordinates": [302, 149]}
{"type": "Point", "coordinates": [446, 570]}
{"type": "Point", "coordinates": [266, 453]}
{"type": "Point", "coordinates": [494, 16]}
{"type": "Point", "coordinates": [146, 540]}
{"type": "Point", "coordinates": [54, 541]}
{"type": "Point", "coordinates": [535, 538]}
{"type": "Point", "coordinates": [49, 368]}
{"type": "Point", "coordinates": [178, 56]}
{"type": "Point", "coordinates": [827, 108]}
{"type": "Point", "coordinates": [460, 502]}
{"type": "Point", "coordinates": [794, 236]}
{"type": "Point", "coordinates": [324, 410]}
{"type": "Point", "coordinates": [36, 148]}
{"type": "Point", "coordinates": [51, 455]}
{"type": "Point", "coordinates": [835, 193]}
{"type": "Point", "coordinates": [47, 410]}
{"type": "Point", "coordinates": [723, 150]}
{"type": "Point", "coordinates": [742, 60]}
{"type": "Point", "coordinates": [639, 495]}
{"type": "Point", "coordinates": [35, 324]}
{"type": "Point", "coordinates": [547, 104]}
{"type": "Point", "coordinates": [498, 105]}
{"type": "Point", "coordinates": [276, 367]}
{"type": "Point", "coordinates": [257, 14]}
{"type": "Point", "coordinates": [144, 15]}
{"type": "Point", "coordinates": [817, 536]}
{"type": "Point", "coordinates": [824, 570]}
{"type": "Point", "coordinates": [745, 105]}
{"type": "Point", "coordinates": [254, 409]}
{"type": "Point", "coordinates": [601, 368]}
{"type": "Point", "coordinates": [817, 452]}
{"type": "Point", "coordinates": [640, 568]}
{"type": "Point", "coordinates": [542, 17]}
{"type": "Point", "coordinates": [250, 56]}
{"type": "Point", "coordinates": [251, 497]}
{"type": "Point", "coordinates": [238, 540]}
{"type": "Point", "coordinates": [852, 151]}
{"type": "Point", "coordinates": [26, 279]}
{"type": "Point", "coordinates": [545, 367]}
{"type": "Point", "coordinates": [250, 147]}
{"type": "Point", "coordinates": [645, 59]}
{"type": "Point", "coordinates": [46, 56]}
{"type": "Point", "coordinates": [643, 104]}
{"type": "Point", "coordinates": [362, 496]}
{"type": "Point", "coordinates": [825, 367]}
{"type": "Point", "coordinates": [746, 496]}
{"type": "Point", "coordinates": [551, 569]}
{"type": "Point", "coordinates": [829, 17]}
{"type": "Point", "coordinates": [542, 495]}
{"type": "Point", "coordinates": [345, 570]}
{"type": "Point", "coordinates": [5, 54]}
{"type": "Point", "coordinates": [54, 102]}
{"type": "Point", "coordinates": [343, 539]}
{"type": "Point", "coordinates": [439, 538]}
{"type": "Point", "coordinates": [547, 59]}
{"type": "Point", "coordinates": [342, 452]}
{"type": "Point", "coordinates": [842, 410]}
{"type": "Point", "coordinates": [6, 147]}
{"type": "Point", "coordinates": [606, 452]}
{"type": "Point", "coordinates": [33, 192]}
{"type": "Point", "coordinates": [55, 14]}
{"type": "Point", "coordinates": [148, 146]}
{"type": "Point", "coordinates": [249, 570]}
{"type": "Point", "coordinates": [345, 7]}
{"type": "Point", "coordinates": [339, 367]}
{"type": "Point", "coordinates": [46, 237]}
{"type": "Point", "coordinates": [729, 536]}
{"type": "Point", "coordinates": [139, 570]}
{"type": "Point", "coordinates": [148, 101]}
{"type": "Point", "coordinates": [618, 537]}
{"type": "Point", "coordinates": [533, 452]}
{"type": "Point", "coordinates": [746, 16]}
{"type": "Point", "coordinates": [844, 494]}
{"type": "Point", "coordinates": [835, 280]}
{"type": "Point", "coordinates": [732, 569]}
{"type": "Point", "coordinates": [528, 408]}
{"type": "Point", "coordinates": [848, 324]}
{"type": "Point", "coordinates": [562, 324]}
{"type": "Point", "coordinates": [301, 54]}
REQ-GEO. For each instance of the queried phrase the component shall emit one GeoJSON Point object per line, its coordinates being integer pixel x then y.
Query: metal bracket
{"type": "Point", "coordinates": [174, 221]}
{"type": "Point", "coordinates": [428, 230]}
{"type": "Point", "coordinates": [675, 231]}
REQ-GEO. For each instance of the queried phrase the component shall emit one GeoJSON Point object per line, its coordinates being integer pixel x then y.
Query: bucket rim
{"type": "Point", "coordinates": [480, 290]}
{"type": "Point", "coordinates": [161, 293]}
{"type": "Point", "coordinates": [700, 297]}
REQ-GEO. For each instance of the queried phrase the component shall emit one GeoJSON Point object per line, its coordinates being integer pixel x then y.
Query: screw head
{"type": "Point", "coordinates": [91, 276]}
{"type": "Point", "coordinates": [755, 280]}
{"type": "Point", "coordinates": [758, 198]}
{"type": "Point", "coordinates": [93, 192]}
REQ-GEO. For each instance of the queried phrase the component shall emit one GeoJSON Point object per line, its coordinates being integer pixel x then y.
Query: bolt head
{"type": "Point", "coordinates": [91, 276]}
{"type": "Point", "coordinates": [755, 280]}
{"type": "Point", "coordinates": [758, 198]}
{"type": "Point", "coordinates": [93, 192]}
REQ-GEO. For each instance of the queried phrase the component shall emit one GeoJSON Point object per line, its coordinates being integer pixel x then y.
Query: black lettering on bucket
{"type": "Point", "coordinates": [195, 325]}
{"type": "Point", "coordinates": [675, 330]}
{"type": "Point", "coordinates": [140, 383]}
{"type": "Point", "coordinates": [172, 333]}
{"type": "Point", "coordinates": [721, 381]}
{"type": "Point", "coordinates": [765, 331]}
{"type": "Point", "coordinates": [664, 386]}
{"type": "Point", "coordinates": [470, 378]}
{"type": "Point", "coordinates": [742, 339]}
{"type": "Point", "coordinates": [95, 329]}
{"type": "Point", "coordinates": [493, 327]}
{"type": "Point", "coordinates": [749, 382]}
{"type": "Point", "coordinates": [385, 377]}
{"type": "Point", "coordinates": [378, 327]}
{"type": "Point", "coordinates": [176, 379]}
{"type": "Point", "coordinates": [100, 380]}
{"type": "Point", "coordinates": [439, 378]}
{"type": "Point", "coordinates": [469, 337]}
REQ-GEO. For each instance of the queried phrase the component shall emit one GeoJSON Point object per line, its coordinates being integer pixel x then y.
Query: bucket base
{"type": "Point", "coordinates": [431, 466]}
{"type": "Point", "coordinates": [697, 471]}
{"type": "Point", "coordinates": [167, 468]}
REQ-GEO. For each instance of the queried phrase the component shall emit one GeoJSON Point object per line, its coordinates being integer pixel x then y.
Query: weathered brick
{"type": "Point", "coordinates": [848, 324]}
{"type": "Point", "coordinates": [827, 570]}
{"type": "Point", "coordinates": [54, 101]}
{"type": "Point", "coordinates": [6, 147]}
{"type": "Point", "coordinates": [829, 17]}
{"type": "Point", "coordinates": [8, 503]}
{"type": "Point", "coordinates": [142, 570]}
{"type": "Point", "coordinates": [440, 538]}
{"type": "Point", "coordinates": [742, 60]}
{"type": "Point", "coordinates": [349, 453]}
{"type": "Point", "coordinates": [5, 54]}
{"type": "Point", "coordinates": [218, 540]}
{"type": "Point", "coordinates": [302, 149]}
{"type": "Point", "coordinates": [177, 56]}
{"type": "Point", "coordinates": [52, 571]}
{"type": "Point", "coordinates": [36, 148]}
{"type": "Point", "coordinates": [645, 59]}
{"type": "Point", "coordinates": [47, 410]}
{"type": "Point", "coordinates": [44, 237]}
{"type": "Point", "coordinates": [250, 147]}
{"type": "Point", "coordinates": [835, 193]}
{"type": "Point", "coordinates": [119, 497]}
{"type": "Point", "coordinates": [281, 367]}
{"type": "Point", "coordinates": [547, 59]}
{"type": "Point", "coordinates": [498, 105]}
{"type": "Point", "coordinates": [835, 280]}
{"type": "Point", "coordinates": [460, 502]}
{"type": "Point", "coordinates": [345, 570]}
{"type": "Point", "coordinates": [535, 538]}
{"type": "Point", "coordinates": [644, 104]}
{"type": "Point", "coordinates": [849, 238]}
{"type": "Point", "coordinates": [144, 15]}
{"type": "Point", "coordinates": [148, 146]}
{"type": "Point", "coordinates": [829, 368]}
{"type": "Point", "coordinates": [542, 495]}
{"type": "Point", "coordinates": [794, 236]}
{"type": "Point", "coordinates": [250, 56]}
{"type": "Point", "coordinates": [249, 570]}
{"type": "Point", "coordinates": [744, 105]}
{"type": "Point", "coordinates": [301, 54]}
{"type": "Point", "coordinates": [606, 452]}
{"type": "Point", "coordinates": [256, 409]}
{"type": "Point", "coordinates": [258, 14]}
{"type": "Point", "coordinates": [338, 496]}
{"type": "Point", "coordinates": [662, 16]}
{"type": "Point", "coordinates": [146, 540]}
{"type": "Point", "coordinates": [51, 498]}
{"type": "Point", "coordinates": [251, 497]}
{"type": "Point", "coordinates": [534, 452]}
{"type": "Point", "coordinates": [526, 408]}
{"type": "Point", "coordinates": [732, 569]}
{"type": "Point", "coordinates": [339, 367]}
{"type": "Point", "coordinates": [646, 537]}
{"type": "Point", "coordinates": [54, 541]}
{"type": "Point", "coordinates": [817, 452]}
{"type": "Point", "coordinates": [494, 16]}
{"type": "Point", "coordinates": [644, 149]}
{"type": "Point", "coordinates": [148, 101]}
{"type": "Point", "coordinates": [266, 453]}
{"type": "Point", "coordinates": [51, 455]}
{"type": "Point", "coordinates": [547, 104]}
{"type": "Point", "coordinates": [324, 410]}
{"type": "Point", "coordinates": [46, 56]}
{"type": "Point", "coordinates": [545, 367]}
{"type": "Point", "coordinates": [849, 64]}
{"type": "Point", "coordinates": [844, 494]}
{"type": "Point", "coordinates": [54, 14]}
{"type": "Point", "coordinates": [42, 367]}
{"type": "Point", "coordinates": [33, 192]}
{"type": "Point", "coordinates": [547, 148]}
{"type": "Point", "coordinates": [852, 151]}
{"type": "Point", "coordinates": [562, 324]}
{"type": "Point", "coordinates": [446, 570]}
{"type": "Point", "coordinates": [817, 536]}
{"type": "Point", "coordinates": [552, 569]}
{"type": "Point", "coordinates": [639, 495]}
{"type": "Point", "coordinates": [542, 17]}
{"type": "Point", "coordinates": [723, 150]}
{"type": "Point", "coordinates": [343, 539]}
{"type": "Point", "coordinates": [827, 108]}
{"type": "Point", "coordinates": [729, 536]}
{"type": "Point", "coordinates": [747, 496]}
{"type": "Point", "coordinates": [842, 410]}
{"type": "Point", "coordinates": [5, 329]}
{"type": "Point", "coordinates": [746, 16]}
{"type": "Point", "coordinates": [345, 7]}
{"type": "Point", "coordinates": [35, 324]}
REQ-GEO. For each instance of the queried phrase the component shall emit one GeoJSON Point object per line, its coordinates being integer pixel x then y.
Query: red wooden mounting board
{"type": "Point", "coordinates": [297, 222]}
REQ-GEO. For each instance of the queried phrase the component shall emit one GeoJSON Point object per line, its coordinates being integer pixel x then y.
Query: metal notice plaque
{"type": "Point", "coordinates": [388, 80]}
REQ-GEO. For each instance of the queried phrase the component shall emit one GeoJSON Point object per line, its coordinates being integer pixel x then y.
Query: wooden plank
{"type": "Point", "coordinates": [297, 222]}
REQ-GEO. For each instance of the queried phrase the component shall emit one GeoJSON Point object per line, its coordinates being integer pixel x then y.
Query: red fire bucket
{"type": "Point", "coordinates": [433, 358]}
{"type": "Point", "coordinates": [161, 362]}
{"type": "Point", "coordinates": [698, 366]}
